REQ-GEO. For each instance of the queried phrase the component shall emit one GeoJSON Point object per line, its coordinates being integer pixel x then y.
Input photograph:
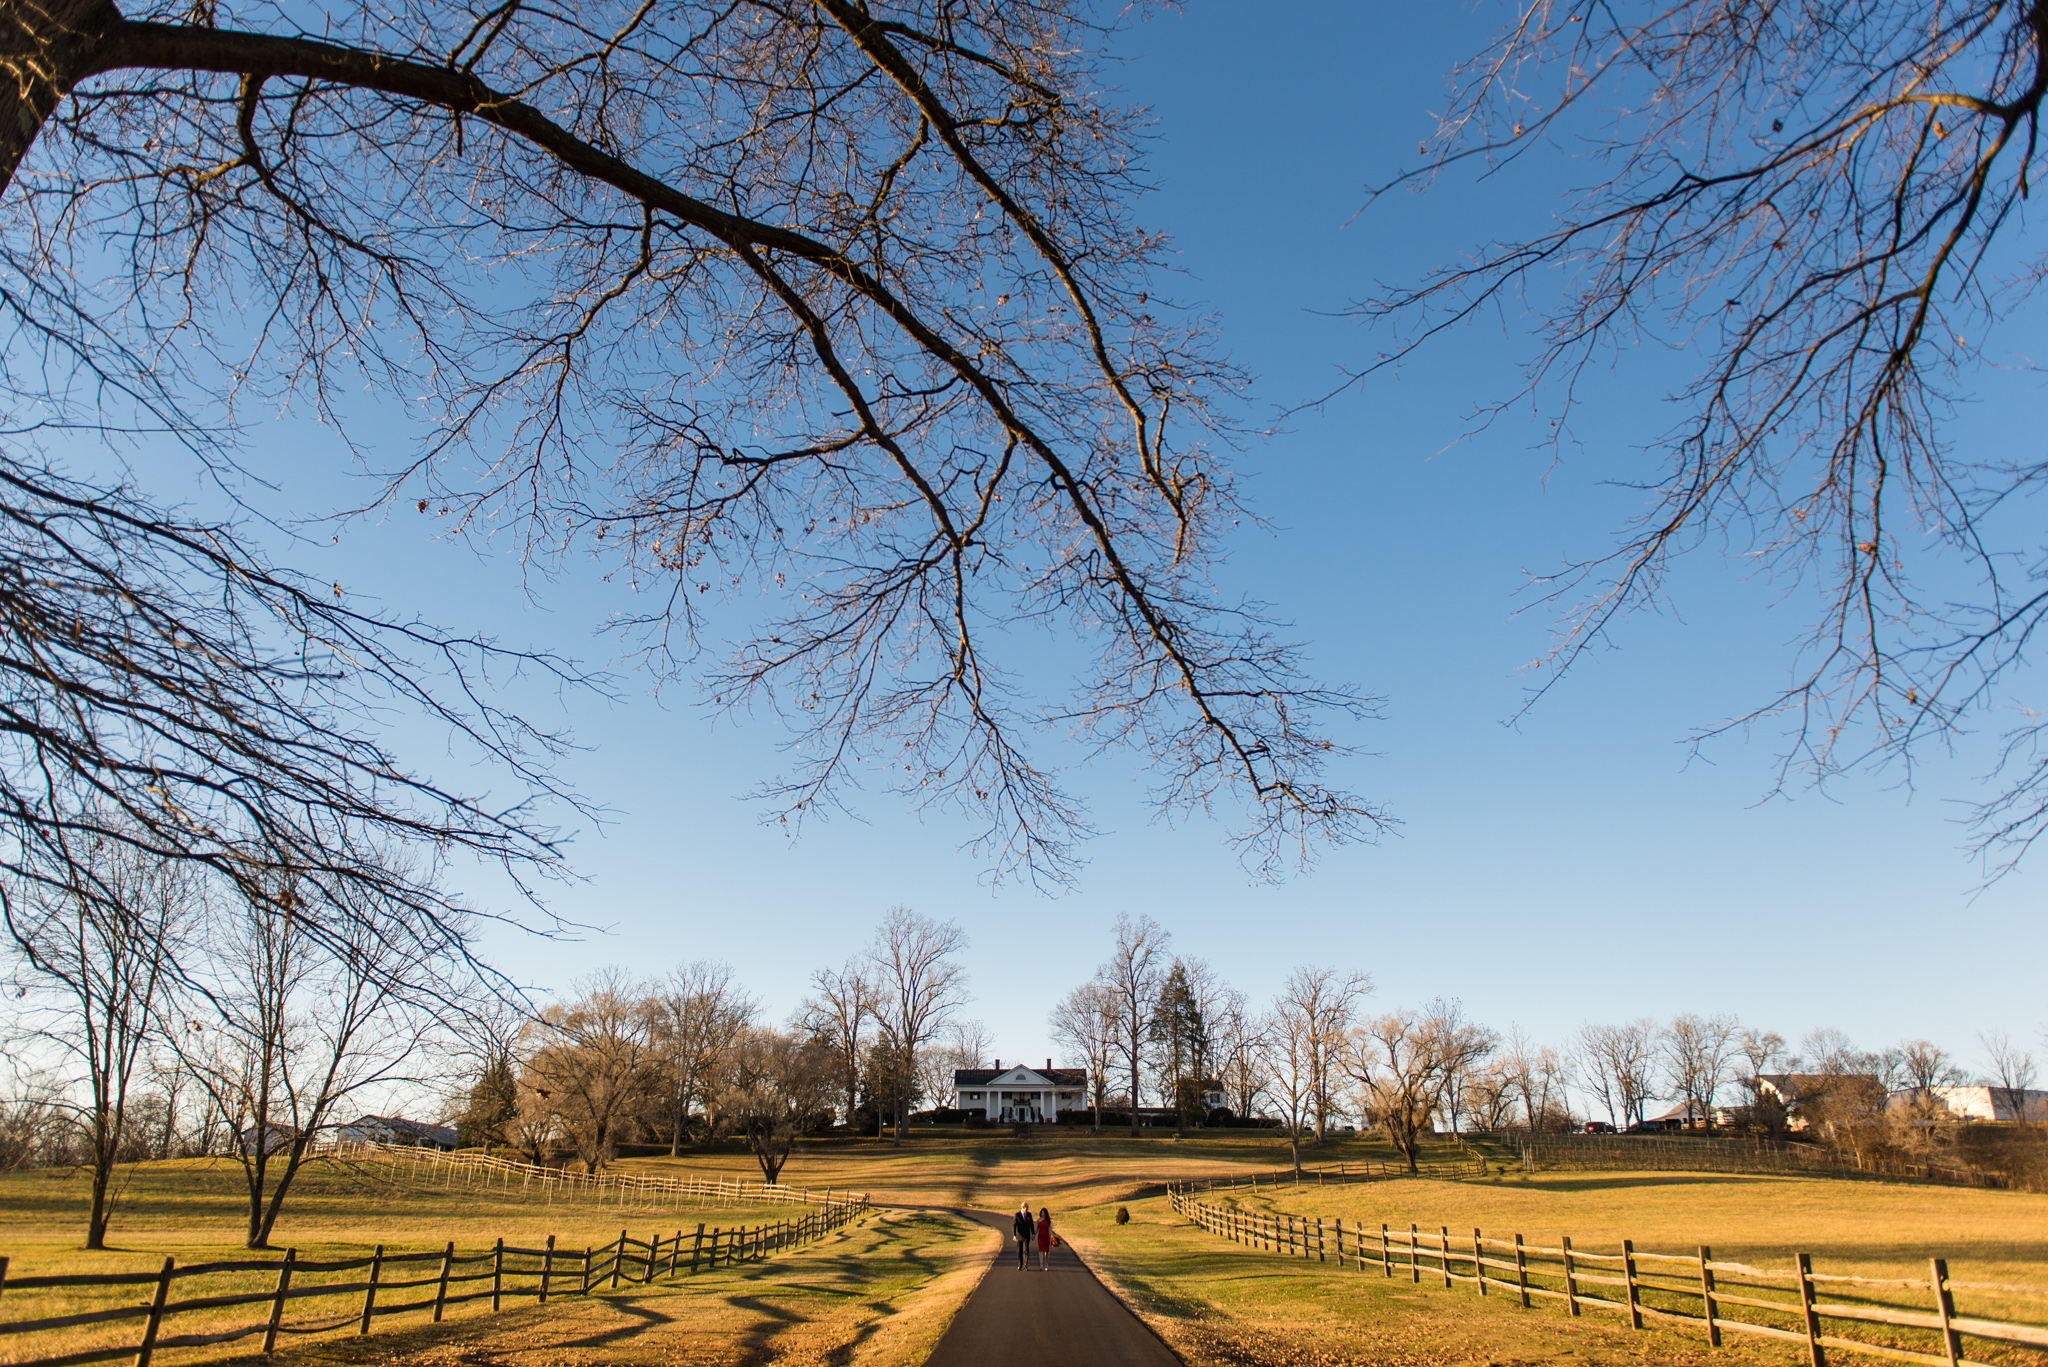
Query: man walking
{"type": "Point", "coordinates": [1027, 1231]}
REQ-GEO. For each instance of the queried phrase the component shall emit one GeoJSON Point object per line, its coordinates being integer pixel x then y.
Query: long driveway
{"type": "Point", "coordinates": [1032, 1319]}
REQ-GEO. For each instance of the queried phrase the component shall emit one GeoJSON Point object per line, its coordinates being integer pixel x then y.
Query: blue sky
{"type": "Point", "coordinates": [1578, 866]}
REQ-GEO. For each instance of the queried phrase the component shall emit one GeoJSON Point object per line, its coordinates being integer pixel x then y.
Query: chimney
{"type": "Point", "coordinates": [999, 1065]}
{"type": "Point", "coordinates": [1048, 1065]}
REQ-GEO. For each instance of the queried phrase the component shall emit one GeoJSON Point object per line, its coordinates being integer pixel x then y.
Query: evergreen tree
{"type": "Point", "coordinates": [493, 1104]}
{"type": "Point", "coordinates": [1182, 1039]}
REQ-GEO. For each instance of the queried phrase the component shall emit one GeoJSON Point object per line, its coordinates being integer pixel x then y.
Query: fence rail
{"type": "Point", "coordinates": [534, 1179]}
{"type": "Point", "coordinates": [541, 1274]}
{"type": "Point", "coordinates": [1707, 1154]}
{"type": "Point", "coordinates": [1351, 1171]}
{"type": "Point", "coordinates": [1695, 1289]}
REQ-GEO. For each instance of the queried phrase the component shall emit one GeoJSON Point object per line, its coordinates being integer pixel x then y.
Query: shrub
{"type": "Point", "coordinates": [1123, 1215]}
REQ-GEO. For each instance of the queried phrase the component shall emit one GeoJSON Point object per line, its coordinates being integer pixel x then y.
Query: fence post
{"type": "Point", "coordinates": [675, 1247]}
{"type": "Point", "coordinates": [1414, 1254]}
{"type": "Point", "coordinates": [547, 1267]}
{"type": "Point", "coordinates": [618, 1258]}
{"type": "Point", "coordinates": [1707, 1302]}
{"type": "Point", "coordinates": [584, 1288]}
{"type": "Point", "coordinates": [1522, 1271]}
{"type": "Point", "coordinates": [441, 1291]}
{"type": "Point", "coordinates": [3, 1273]}
{"type": "Point", "coordinates": [1340, 1241]}
{"type": "Point", "coordinates": [1628, 1269]}
{"type": "Point", "coordinates": [1571, 1277]}
{"type": "Point", "coordinates": [1386, 1254]}
{"type": "Point", "coordinates": [284, 1284]}
{"type": "Point", "coordinates": [1319, 1242]}
{"type": "Point", "coordinates": [1478, 1262]}
{"type": "Point", "coordinates": [497, 1274]}
{"type": "Point", "coordinates": [370, 1291]}
{"type": "Point", "coordinates": [1812, 1316]}
{"type": "Point", "coordinates": [156, 1315]}
{"type": "Point", "coordinates": [1443, 1253]}
{"type": "Point", "coordinates": [1944, 1306]}
{"type": "Point", "coordinates": [695, 1249]}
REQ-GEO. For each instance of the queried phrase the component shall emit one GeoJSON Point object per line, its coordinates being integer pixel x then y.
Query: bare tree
{"type": "Point", "coordinates": [1928, 1066]}
{"type": "Point", "coordinates": [839, 1011]}
{"type": "Point", "coordinates": [298, 1017]}
{"type": "Point", "coordinates": [35, 1131]}
{"type": "Point", "coordinates": [699, 1013]}
{"type": "Point", "coordinates": [1539, 1076]}
{"type": "Point", "coordinates": [1620, 1061]}
{"type": "Point", "coordinates": [915, 391]}
{"type": "Point", "coordinates": [104, 950]}
{"type": "Point", "coordinates": [1826, 204]}
{"type": "Point", "coordinates": [1240, 1053]}
{"type": "Point", "coordinates": [918, 987]}
{"type": "Point", "coordinates": [1460, 1046]}
{"type": "Point", "coordinates": [1697, 1053]}
{"type": "Point", "coordinates": [171, 691]}
{"type": "Point", "coordinates": [1132, 976]}
{"type": "Point", "coordinates": [1762, 1050]}
{"type": "Point", "coordinates": [1491, 1093]}
{"type": "Point", "coordinates": [2012, 1071]}
{"type": "Point", "coordinates": [962, 1044]}
{"type": "Point", "coordinates": [1401, 1062]}
{"type": "Point", "coordinates": [1086, 1021]}
{"type": "Point", "coordinates": [1322, 1003]}
{"type": "Point", "coordinates": [1289, 1061]}
{"type": "Point", "coordinates": [777, 1084]}
{"type": "Point", "coordinates": [590, 1070]}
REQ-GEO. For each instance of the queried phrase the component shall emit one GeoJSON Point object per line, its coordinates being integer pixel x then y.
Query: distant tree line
{"type": "Point", "coordinates": [1163, 1030]}
{"type": "Point", "coordinates": [158, 1013]}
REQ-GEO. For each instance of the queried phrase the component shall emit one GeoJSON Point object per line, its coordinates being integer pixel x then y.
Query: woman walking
{"type": "Point", "coordinates": [1044, 1236]}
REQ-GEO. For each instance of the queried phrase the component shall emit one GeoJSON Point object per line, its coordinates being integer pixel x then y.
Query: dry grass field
{"type": "Point", "coordinates": [883, 1292]}
{"type": "Point", "coordinates": [879, 1292]}
{"type": "Point", "coordinates": [1858, 1228]}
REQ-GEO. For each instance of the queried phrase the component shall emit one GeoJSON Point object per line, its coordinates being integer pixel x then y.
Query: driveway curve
{"type": "Point", "coordinates": [1031, 1318]}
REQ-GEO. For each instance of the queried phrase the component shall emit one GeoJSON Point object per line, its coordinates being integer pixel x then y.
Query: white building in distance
{"type": "Point", "coordinates": [1985, 1103]}
{"type": "Point", "coordinates": [1019, 1094]}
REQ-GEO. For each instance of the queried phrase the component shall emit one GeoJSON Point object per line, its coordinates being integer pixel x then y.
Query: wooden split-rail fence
{"type": "Point", "coordinates": [1691, 1289]}
{"type": "Point", "coordinates": [1337, 1173]}
{"type": "Point", "coordinates": [443, 1278]}
{"type": "Point", "coordinates": [511, 1176]}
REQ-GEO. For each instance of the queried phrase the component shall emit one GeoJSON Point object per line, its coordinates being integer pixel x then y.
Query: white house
{"type": "Point", "coordinates": [1018, 1093]}
{"type": "Point", "coordinates": [1986, 1103]}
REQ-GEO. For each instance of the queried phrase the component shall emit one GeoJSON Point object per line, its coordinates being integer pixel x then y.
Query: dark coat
{"type": "Point", "coordinates": [1024, 1224]}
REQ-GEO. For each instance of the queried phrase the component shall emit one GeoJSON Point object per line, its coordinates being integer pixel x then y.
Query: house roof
{"type": "Point", "coordinates": [398, 1124]}
{"type": "Point", "coordinates": [1058, 1077]}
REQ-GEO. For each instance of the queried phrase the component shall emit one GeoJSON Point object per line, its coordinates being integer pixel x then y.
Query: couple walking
{"type": "Point", "coordinates": [1029, 1231]}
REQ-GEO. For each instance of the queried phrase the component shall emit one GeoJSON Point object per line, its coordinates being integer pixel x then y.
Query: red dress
{"type": "Point", "coordinates": [1045, 1234]}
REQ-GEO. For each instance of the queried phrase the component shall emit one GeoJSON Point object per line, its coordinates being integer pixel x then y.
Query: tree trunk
{"type": "Point", "coordinates": [1134, 1085]}
{"type": "Point", "coordinates": [44, 45]}
{"type": "Point", "coordinates": [102, 1178]}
